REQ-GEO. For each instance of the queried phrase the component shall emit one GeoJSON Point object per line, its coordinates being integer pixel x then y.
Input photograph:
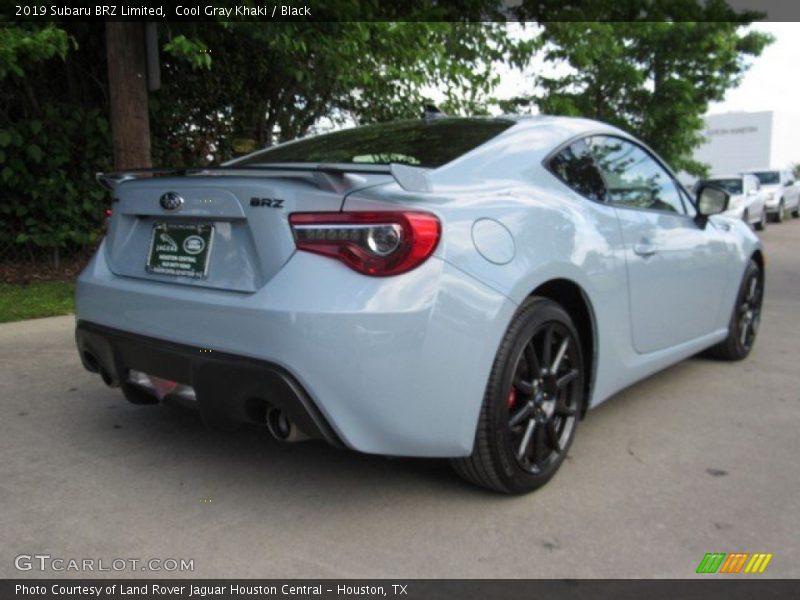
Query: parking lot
{"type": "Point", "coordinates": [704, 457]}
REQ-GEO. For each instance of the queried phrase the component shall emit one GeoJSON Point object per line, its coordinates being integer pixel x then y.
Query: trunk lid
{"type": "Point", "coordinates": [249, 238]}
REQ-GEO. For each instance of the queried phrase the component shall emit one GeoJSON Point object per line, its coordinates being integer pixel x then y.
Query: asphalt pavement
{"type": "Point", "coordinates": [703, 457]}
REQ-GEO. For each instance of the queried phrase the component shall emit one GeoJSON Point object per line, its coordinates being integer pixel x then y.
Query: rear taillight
{"type": "Point", "coordinates": [373, 243]}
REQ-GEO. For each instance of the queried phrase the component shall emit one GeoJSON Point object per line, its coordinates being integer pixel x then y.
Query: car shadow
{"type": "Point", "coordinates": [175, 439]}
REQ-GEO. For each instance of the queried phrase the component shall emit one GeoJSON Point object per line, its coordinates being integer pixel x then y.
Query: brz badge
{"type": "Point", "coordinates": [268, 202]}
{"type": "Point", "coordinates": [170, 201]}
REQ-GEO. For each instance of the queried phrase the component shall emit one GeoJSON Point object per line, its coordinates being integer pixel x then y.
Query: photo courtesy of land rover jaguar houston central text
{"type": "Point", "coordinates": [449, 287]}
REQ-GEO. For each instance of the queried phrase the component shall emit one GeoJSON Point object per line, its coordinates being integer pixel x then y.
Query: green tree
{"type": "Point", "coordinates": [53, 138]}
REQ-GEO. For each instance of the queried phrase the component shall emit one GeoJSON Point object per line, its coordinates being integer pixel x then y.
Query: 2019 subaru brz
{"type": "Point", "coordinates": [461, 288]}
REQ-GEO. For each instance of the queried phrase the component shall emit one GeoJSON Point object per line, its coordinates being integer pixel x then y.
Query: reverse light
{"type": "Point", "coordinates": [373, 243]}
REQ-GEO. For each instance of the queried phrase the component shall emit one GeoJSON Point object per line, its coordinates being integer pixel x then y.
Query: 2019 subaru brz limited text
{"type": "Point", "coordinates": [454, 287]}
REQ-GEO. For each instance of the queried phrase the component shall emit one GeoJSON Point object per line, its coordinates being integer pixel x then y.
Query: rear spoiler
{"type": "Point", "coordinates": [331, 177]}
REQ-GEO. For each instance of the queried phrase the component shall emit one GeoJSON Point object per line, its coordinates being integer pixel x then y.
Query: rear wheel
{"type": "Point", "coordinates": [796, 211]}
{"type": "Point", "coordinates": [532, 402]}
{"type": "Point", "coordinates": [746, 317]}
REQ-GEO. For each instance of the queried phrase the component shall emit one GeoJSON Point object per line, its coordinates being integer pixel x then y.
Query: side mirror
{"type": "Point", "coordinates": [711, 200]}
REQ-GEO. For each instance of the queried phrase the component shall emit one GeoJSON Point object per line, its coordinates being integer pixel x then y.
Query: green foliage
{"type": "Point", "coordinates": [54, 137]}
{"type": "Point", "coordinates": [193, 52]}
{"type": "Point", "coordinates": [22, 48]}
{"type": "Point", "coordinates": [31, 301]}
{"type": "Point", "coordinates": [50, 198]}
{"type": "Point", "coordinates": [653, 79]}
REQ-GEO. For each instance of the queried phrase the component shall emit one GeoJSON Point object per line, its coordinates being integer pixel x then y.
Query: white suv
{"type": "Point", "coordinates": [781, 193]}
{"type": "Point", "coordinates": [748, 201]}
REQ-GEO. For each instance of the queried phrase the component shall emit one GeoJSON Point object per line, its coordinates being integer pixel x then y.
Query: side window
{"type": "Point", "coordinates": [575, 166]}
{"type": "Point", "coordinates": [633, 178]}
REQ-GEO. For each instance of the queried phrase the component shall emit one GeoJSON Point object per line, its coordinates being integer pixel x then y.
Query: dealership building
{"type": "Point", "coordinates": [739, 141]}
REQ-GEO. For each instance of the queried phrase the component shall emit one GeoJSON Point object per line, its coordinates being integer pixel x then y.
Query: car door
{"type": "Point", "coordinates": [755, 197]}
{"type": "Point", "coordinates": [677, 270]}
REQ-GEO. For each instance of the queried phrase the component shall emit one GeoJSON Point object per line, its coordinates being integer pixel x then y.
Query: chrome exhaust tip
{"type": "Point", "coordinates": [282, 428]}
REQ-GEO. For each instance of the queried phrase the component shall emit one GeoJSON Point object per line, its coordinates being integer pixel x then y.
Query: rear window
{"type": "Point", "coordinates": [418, 143]}
{"type": "Point", "coordinates": [732, 186]}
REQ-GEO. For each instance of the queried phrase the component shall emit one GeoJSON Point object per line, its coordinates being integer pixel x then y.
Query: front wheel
{"type": "Point", "coordinates": [746, 317]}
{"type": "Point", "coordinates": [532, 402]}
{"type": "Point", "coordinates": [781, 214]}
{"type": "Point", "coordinates": [762, 223]}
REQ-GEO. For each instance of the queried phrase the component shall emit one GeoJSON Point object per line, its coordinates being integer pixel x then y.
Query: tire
{"type": "Point", "coordinates": [780, 215]}
{"type": "Point", "coordinates": [796, 211]}
{"type": "Point", "coordinates": [762, 223]}
{"type": "Point", "coordinates": [746, 317]}
{"type": "Point", "coordinates": [527, 423]}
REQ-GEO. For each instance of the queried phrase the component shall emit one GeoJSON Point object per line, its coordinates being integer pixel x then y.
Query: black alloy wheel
{"type": "Point", "coordinates": [780, 216]}
{"type": "Point", "coordinates": [541, 401]}
{"type": "Point", "coordinates": [746, 317]}
{"type": "Point", "coordinates": [532, 404]}
{"type": "Point", "coordinates": [749, 311]}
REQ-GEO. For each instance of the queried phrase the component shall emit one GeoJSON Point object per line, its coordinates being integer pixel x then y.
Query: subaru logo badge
{"type": "Point", "coordinates": [170, 201]}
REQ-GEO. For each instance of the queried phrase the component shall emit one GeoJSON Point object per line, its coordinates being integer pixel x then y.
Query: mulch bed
{"type": "Point", "coordinates": [28, 272]}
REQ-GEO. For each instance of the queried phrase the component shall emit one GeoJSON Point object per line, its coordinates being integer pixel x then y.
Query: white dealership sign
{"type": "Point", "coordinates": [737, 141]}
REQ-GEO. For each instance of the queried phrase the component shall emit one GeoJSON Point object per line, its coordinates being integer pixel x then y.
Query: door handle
{"type": "Point", "coordinates": [645, 249]}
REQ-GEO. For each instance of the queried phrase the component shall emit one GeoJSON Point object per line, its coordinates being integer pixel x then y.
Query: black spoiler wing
{"type": "Point", "coordinates": [331, 177]}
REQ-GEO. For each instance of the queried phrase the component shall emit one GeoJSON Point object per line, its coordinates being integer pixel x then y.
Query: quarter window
{"type": "Point", "coordinates": [575, 166]}
{"type": "Point", "coordinates": [633, 178]}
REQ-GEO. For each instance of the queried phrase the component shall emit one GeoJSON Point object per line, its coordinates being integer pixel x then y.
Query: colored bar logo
{"type": "Point", "coordinates": [720, 562]}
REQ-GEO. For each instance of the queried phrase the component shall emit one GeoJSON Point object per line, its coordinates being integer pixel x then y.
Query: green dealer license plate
{"type": "Point", "coordinates": [180, 249]}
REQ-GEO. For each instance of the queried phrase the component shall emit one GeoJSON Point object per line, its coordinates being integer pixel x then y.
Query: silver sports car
{"type": "Point", "coordinates": [453, 287]}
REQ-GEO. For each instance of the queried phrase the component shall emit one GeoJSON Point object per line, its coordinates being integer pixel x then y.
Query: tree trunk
{"type": "Point", "coordinates": [127, 82]}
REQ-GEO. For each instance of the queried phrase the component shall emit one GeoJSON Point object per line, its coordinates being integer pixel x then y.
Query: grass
{"type": "Point", "coordinates": [33, 300]}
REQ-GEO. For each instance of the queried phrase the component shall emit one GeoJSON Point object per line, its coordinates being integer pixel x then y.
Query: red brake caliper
{"type": "Point", "coordinates": [512, 397]}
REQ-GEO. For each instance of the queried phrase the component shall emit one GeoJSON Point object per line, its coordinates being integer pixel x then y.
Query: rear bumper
{"type": "Point", "coordinates": [229, 389]}
{"type": "Point", "coordinates": [394, 365]}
